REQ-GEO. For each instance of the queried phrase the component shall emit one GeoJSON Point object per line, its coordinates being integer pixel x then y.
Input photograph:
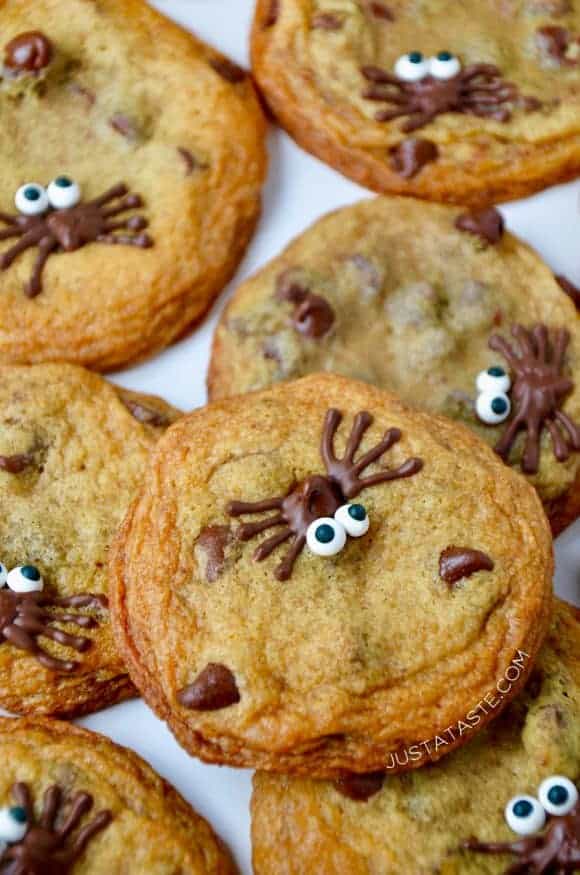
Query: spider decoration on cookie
{"type": "Point", "coordinates": [27, 613]}
{"type": "Point", "coordinates": [46, 846]}
{"type": "Point", "coordinates": [316, 512]}
{"type": "Point", "coordinates": [538, 391]}
{"type": "Point", "coordinates": [553, 852]}
{"type": "Point", "coordinates": [422, 88]}
{"type": "Point", "coordinates": [55, 220]}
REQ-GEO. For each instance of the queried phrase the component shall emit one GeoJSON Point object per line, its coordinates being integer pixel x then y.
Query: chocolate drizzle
{"type": "Point", "coordinates": [456, 563]}
{"type": "Point", "coordinates": [213, 689]}
{"type": "Point", "coordinates": [29, 52]}
{"type": "Point", "coordinates": [320, 495]}
{"type": "Point", "coordinates": [313, 316]}
{"type": "Point", "coordinates": [554, 852]}
{"type": "Point", "coordinates": [213, 541]}
{"type": "Point", "coordinates": [360, 788]}
{"type": "Point", "coordinates": [571, 290]}
{"type": "Point", "coordinates": [26, 617]}
{"type": "Point", "coordinates": [70, 229]}
{"type": "Point", "coordinates": [487, 224]}
{"type": "Point", "coordinates": [476, 90]}
{"type": "Point", "coordinates": [538, 391]}
{"type": "Point", "coordinates": [16, 464]}
{"type": "Point", "coordinates": [48, 849]}
{"type": "Point", "coordinates": [411, 155]}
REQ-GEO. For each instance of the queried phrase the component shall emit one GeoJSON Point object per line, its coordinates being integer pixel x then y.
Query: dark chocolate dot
{"type": "Point", "coordinates": [411, 155]}
{"type": "Point", "coordinates": [360, 788]}
{"type": "Point", "coordinates": [29, 52]}
{"type": "Point", "coordinates": [228, 70]}
{"type": "Point", "coordinates": [213, 689]}
{"type": "Point", "coordinates": [456, 563]}
{"type": "Point", "coordinates": [487, 224]}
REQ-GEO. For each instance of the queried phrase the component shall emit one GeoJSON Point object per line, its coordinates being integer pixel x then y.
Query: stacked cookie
{"type": "Point", "coordinates": [338, 572]}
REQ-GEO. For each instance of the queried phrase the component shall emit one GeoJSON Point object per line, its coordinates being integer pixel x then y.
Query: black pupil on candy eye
{"type": "Point", "coordinates": [324, 534]}
{"type": "Point", "coordinates": [496, 372]}
{"type": "Point", "coordinates": [558, 795]}
{"type": "Point", "coordinates": [415, 57]}
{"type": "Point", "coordinates": [32, 194]}
{"type": "Point", "coordinates": [523, 808]}
{"type": "Point", "coordinates": [444, 56]}
{"type": "Point", "coordinates": [63, 182]}
{"type": "Point", "coordinates": [30, 572]}
{"type": "Point", "coordinates": [499, 406]}
{"type": "Point", "coordinates": [357, 512]}
{"type": "Point", "coordinates": [18, 814]}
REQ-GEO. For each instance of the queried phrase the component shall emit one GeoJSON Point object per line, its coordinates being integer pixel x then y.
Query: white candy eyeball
{"type": "Point", "coordinates": [31, 199]}
{"type": "Point", "coordinates": [25, 578]}
{"type": "Point", "coordinates": [494, 379]}
{"type": "Point", "coordinates": [524, 815]}
{"type": "Point", "coordinates": [558, 795]}
{"type": "Point", "coordinates": [353, 518]}
{"type": "Point", "coordinates": [3, 575]}
{"type": "Point", "coordinates": [493, 407]}
{"type": "Point", "coordinates": [13, 824]}
{"type": "Point", "coordinates": [63, 193]}
{"type": "Point", "coordinates": [412, 67]}
{"type": "Point", "coordinates": [444, 66]}
{"type": "Point", "coordinates": [325, 537]}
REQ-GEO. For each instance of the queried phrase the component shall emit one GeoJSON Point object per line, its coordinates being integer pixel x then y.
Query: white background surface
{"type": "Point", "coordinates": [299, 190]}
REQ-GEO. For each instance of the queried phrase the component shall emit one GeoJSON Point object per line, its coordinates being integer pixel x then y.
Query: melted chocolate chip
{"type": "Point", "coordinates": [28, 53]}
{"type": "Point", "coordinates": [16, 464]}
{"type": "Point", "coordinates": [213, 541]}
{"type": "Point", "coordinates": [228, 70]}
{"type": "Point", "coordinates": [123, 125]}
{"type": "Point", "coordinates": [411, 155]}
{"type": "Point", "coordinates": [272, 14]}
{"type": "Point", "coordinates": [455, 563]}
{"type": "Point", "coordinates": [379, 10]}
{"type": "Point", "coordinates": [326, 21]}
{"type": "Point", "coordinates": [360, 788]}
{"type": "Point", "coordinates": [488, 224]}
{"type": "Point", "coordinates": [146, 415]}
{"type": "Point", "coordinates": [188, 159]}
{"type": "Point", "coordinates": [214, 688]}
{"type": "Point", "coordinates": [313, 316]}
{"type": "Point", "coordinates": [571, 290]}
{"type": "Point", "coordinates": [556, 43]}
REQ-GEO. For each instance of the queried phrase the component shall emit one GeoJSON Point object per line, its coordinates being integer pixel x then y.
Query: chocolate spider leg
{"type": "Point", "coordinates": [559, 445]}
{"type": "Point", "coordinates": [407, 469]}
{"type": "Point", "coordinates": [12, 231]}
{"type": "Point", "coordinates": [34, 286]}
{"type": "Point", "coordinates": [540, 335]}
{"type": "Point", "coordinates": [332, 420]}
{"type": "Point", "coordinates": [506, 441]}
{"type": "Point", "coordinates": [40, 627]}
{"type": "Point", "coordinates": [385, 93]}
{"type": "Point", "coordinates": [501, 345]}
{"type": "Point", "coordinates": [135, 223]}
{"type": "Point", "coordinates": [143, 241]}
{"type": "Point", "coordinates": [389, 115]}
{"type": "Point", "coordinates": [284, 569]}
{"type": "Point", "coordinates": [269, 545]}
{"type": "Point", "coordinates": [381, 77]}
{"type": "Point", "coordinates": [131, 202]}
{"type": "Point", "coordinates": [82, 600]}
{"type": "Point", "coordinates": [360, 426]}
{"type": "Point", "coordinates": [78, 619]}
{"type": "Point", "coordinates": [81, 804]}
{"type": "Point", "coordinates": [50, 806]}
{"type": "Point", "coordinates": [519, 847]}
{"type": "Point", "coordinates": [486, 70]}
{"type": "Point", "coordinates": [10, 220]}
{"type": "Point", "coordinates": [112, 194]}
{"type": "Point", "coordinates": [27, 241]}
{"type": "Point", "coordinates": [418, 120]}
{"type": "Point", "coordinates": [238, 508]}
{"type": "Point", "coordinates": [390, 438]}
{"type": "Point", "coordinates": [524, 340]}
{"type": "Point", "coordinates": [570, 427]}
{"type": "Point", "coordinates": [248, 530]}
{"type": "Point", "coordinates": [22, 797]}
{"type": "Point", "coordinates": [531, 457]}
{"type": "Point", "coordinates": [84, 836]}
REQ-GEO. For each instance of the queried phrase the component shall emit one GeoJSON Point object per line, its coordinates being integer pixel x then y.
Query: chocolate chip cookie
{"type": "Point", "coordinates": [72, 801]}
{"type": "Point", "coordinates": [131, 160]}
{"type": "Point", "coordinates": [441, 306]}
{"type": "Point", "coordinates": [72, 453]}
{"type": "Point", "coordinates": [316, 576]}
{"type": "Point", "coordinates": [468, 103]}
{"type": "Point", "coordinates": [508, 798]}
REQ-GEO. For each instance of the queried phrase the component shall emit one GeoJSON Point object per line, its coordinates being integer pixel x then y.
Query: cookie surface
{"type": "Point", "coordinates": [321, 593]}
{"type": "Point", "coordinates": [471, 103]}
{"type": "Point", "coordinates": [117, 128]}
{"type": "Point", "coordinates": [418, 822]}
{"type": "Point", "coordinates": [72, 453]}
{"type": "Point", "coordinates": [128, 818]}
{"type": "Point", "coordinates": [392, 292]}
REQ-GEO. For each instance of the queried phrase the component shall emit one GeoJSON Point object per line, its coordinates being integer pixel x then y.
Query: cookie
{"type": "Point", "coordinates": [72, 801]}
{"type": "Point", "coordinates": [315, 576]}
{"type": "Point", "coordinates": [131, 161]}
{"type": "Point", "coordinates": [410, 297]}
{"type": "Point", "coordinates": [467, 103]}
{"type": "Point", "coordinates": [72, 453]}
{"type": "Point", "coordinates": [518, 774]}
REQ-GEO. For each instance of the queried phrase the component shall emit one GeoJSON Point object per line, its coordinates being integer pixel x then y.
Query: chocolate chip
{"type": "Point", "coordinates": [455, 563]}
{"type": "Point", "coordinates": [360, 788]}
{"type": "Point", "coordinates": [28, 53]}
{"type": "Point", "coordinates": [370, 279]}
{"type": "Point", "coordinates": [488, 224]}
{"type": "Point", "coordinates": [190, 162]}
{"type": "Point", "coordinates": [555, 43]}
{"type": "Point", "coordinates": [228, 70]}
{"type": "Point", "coordinates": [272, 14]}
{"type": "Point", "coordinates": [81, 91]}
{"type": "Point", "coordinates": [411, 155]}
{"type": "Point", "coordinates": [313, 316]}
{"type": "Point", "coordinates": [213, 541]}
{"type": "Point", "coordinates": [214, 688]}
{"type": "Point", "coordinates": [326, 21]}
{"type": "Point", "coordinates": [571, 290]}
{"type": "Point", "coordinates": [379, 10]}
{"type": "Point", "coordinates": [16, 464]}
{"type": "Point", "coordinates": [146, 415]}
{"type": "Point", "coordinates": [123, 125]}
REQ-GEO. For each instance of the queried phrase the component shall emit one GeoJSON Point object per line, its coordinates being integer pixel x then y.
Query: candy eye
{"type": "Point", "coordinates": [494, 379]}
{"type": "Point", "coordinates": [444, 66]}
{"type": "Point", "coordinates": [31, 199]}
{"type": "Point", "coordinates": [412, 67]}
{"type": "Point", "coordinates": [13, 824]}
{"type": "Point", "coordinates": [524, 815]}
{"type": "Point", "coordinates": [493, 407]}
{"type": "Point", "coordinates": [558, 795]}
{"type": "Point", "coordinates": [3, 575]}
{"type": "Point", "coordinates": [63, 193]}
{"type": "Point", "coordinates": [353, 518]}
{"type": "Point", "coordinates": [25, 578]}
{"type": "Point", "coordinates": [325, 537]}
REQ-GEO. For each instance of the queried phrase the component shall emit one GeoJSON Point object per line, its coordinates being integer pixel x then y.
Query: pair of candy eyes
{"type": "Point", "coordinates": [23, 578]}
{"type": "Point", "coordinates": [33, 199]}
{"type": "Point", "coordinates": [493, 404]}
{"type": "Point", "coordinates": [526, 815]}
{"type": "Point", "coordinates": [414, 66]}
{"type": "Point", "coordinates": [326, 536]}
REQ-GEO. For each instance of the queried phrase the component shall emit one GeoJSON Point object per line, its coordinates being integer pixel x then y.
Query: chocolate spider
{"type": "Point", "coordinates": [423, 88]}
{"type": "Point", "coordinates": [538, 391]}
{"type": "Point", "coordinates": [41, 847]}
{"type": "Point", "coordinates": [27, 615]}
{"type": "Point", "coordinates": [553, 852]}
{"type": "Point", "coordinates": [316, 510]}
{"type": "Point", "coordinates": [56, 220]}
